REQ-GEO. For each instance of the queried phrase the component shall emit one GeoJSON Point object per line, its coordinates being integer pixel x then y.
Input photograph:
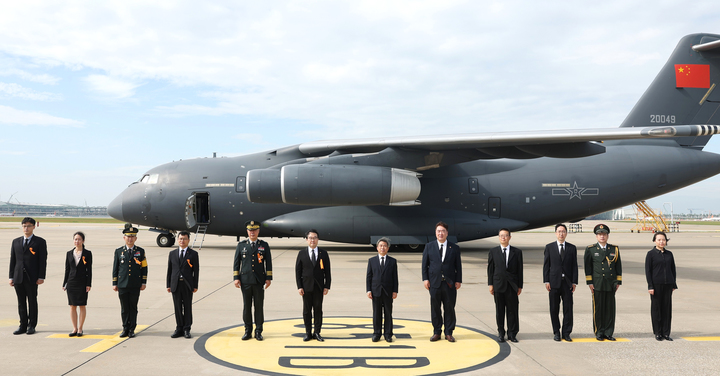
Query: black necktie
{"type": "Point", "coordinates": [182, 254]}
{"type": "Point", "coordinates": [382, 263]}
{"type": "Point", "coordinates": [313, 257]}
{"type": "Point", "coordinates": [26, 243]}
{"type": "Point", "coordinates": [505, 256]}
{"type": "Point", "coordinates": [441, 251]}
{"type": "Point", "coordinates": [562, 251]}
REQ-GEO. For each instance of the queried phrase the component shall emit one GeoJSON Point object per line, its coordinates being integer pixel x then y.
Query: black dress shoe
{"type": "Point", "coordinates": [176, 334]}
{"type": "Point", "coordinates": [246, 336]}
{"type": "Point", "coordinates": [610, 338]}
{"type": "Point", "coordinates": [307, 337]}
{"type": "Point", "coordinates": [435, 337]}
{"type": "Point", "coordinates": [73, 334]}
{"type": "Point", "coordinates": [501, 339]}
{"type": "Point", "coordinates": [258, 336]}
{"type": "Point", "coordinates": [124, 333]}
{"type": "Point", "coordinates": [187, 334]}
{"type": "Point", "coordinates": [658, 337]}
{"type": "Point", "coordinates": [567, 338]}
{"type": "Point", "coordinates": [667, 338]}
{"type": "Point", "coordinates": [31, 330]}
{"type": "Point", "coordinates": [318, 337]}
{"type": "Point", "coordinates": [80, 333]}
{"type": "Point", "coordinates": [388, 338]}
{"type": "Point", "coordinates": [600, 338]}
{"type": "Point", "coordinates": [131, 334]}
{"type": "Point", "coordinates": [20, 330]}
{"type": "Point", "coordinates": [513, 339]}
{"type": "Point", "coordinates": [376, 337]}
{"type": "Point", "coordinates": [557, 337]}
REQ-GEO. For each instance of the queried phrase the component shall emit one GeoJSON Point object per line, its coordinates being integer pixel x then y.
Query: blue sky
{"type": "Point", "coordinates": [93, 94]}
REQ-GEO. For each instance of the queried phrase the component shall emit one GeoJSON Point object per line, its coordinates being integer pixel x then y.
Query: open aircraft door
{"type": "Point", "coordinates": [190, 212]}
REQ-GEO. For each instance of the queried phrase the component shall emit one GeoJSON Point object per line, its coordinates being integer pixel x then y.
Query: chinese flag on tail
{"type": "Point", "coordinates": [692, 75]}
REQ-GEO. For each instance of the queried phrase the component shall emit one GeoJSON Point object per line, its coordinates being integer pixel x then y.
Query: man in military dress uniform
{"type": "Point", "coordinates": [129, 278]}
{"type": "Point", "coordinates": [252, 271]}
{"type": "Point", "coordinates": [603, 274]}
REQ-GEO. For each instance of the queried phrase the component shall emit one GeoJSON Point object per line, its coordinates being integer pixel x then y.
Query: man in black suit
{"type": "Point", "coordinates": [382, 287]}
{"type": "Point", "coordinates": [505, 278]}
{"type": "Point", "coordinates": [560, 274]}
{"type": "Point", "coordinates": [183, 274]}
{"type": "Point", "coordinates": [442, 276]}
{"type": "Point", "coordinates": [312, 275]}
{"type": "Point", "coordinates": [28, 262]}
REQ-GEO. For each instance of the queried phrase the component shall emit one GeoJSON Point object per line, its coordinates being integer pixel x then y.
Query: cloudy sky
{"type": "Point", "coordinates": [93, 94]}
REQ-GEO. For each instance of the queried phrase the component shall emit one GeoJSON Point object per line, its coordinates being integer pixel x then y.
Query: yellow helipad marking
{"type": "Point", "coordinates": [701, 338]}
{"type": "Point", "coordinates": [348, 349]}
{"type": "Point", "coordinates": [595, 340]}
{"type": "Point", "coordinates": [106, 343]}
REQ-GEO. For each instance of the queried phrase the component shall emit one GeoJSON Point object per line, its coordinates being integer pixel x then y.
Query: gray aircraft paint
{"type": "Point", "coordinates": [350, 192]}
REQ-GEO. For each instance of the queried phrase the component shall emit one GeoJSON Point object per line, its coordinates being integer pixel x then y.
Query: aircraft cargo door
{"type": "Point", "coordinates": [494, 207]}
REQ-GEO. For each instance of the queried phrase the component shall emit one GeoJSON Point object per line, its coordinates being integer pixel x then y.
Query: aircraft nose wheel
{"type": "Point", "coordinates": [165, 240]}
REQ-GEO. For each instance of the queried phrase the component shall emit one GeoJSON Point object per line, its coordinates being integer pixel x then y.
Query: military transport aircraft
{"type": "Point", "coordinates": [357, 191]}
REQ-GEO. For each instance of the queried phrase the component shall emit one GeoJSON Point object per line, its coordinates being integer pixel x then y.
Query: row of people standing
{"type": "Point", "coordinates": [441, 273]}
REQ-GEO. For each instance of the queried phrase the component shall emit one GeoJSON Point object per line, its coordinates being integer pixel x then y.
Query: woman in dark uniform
{"type": "Point", "coordinates": [77, 282]}
{"type": "Point", "coordinates": [660, 275]}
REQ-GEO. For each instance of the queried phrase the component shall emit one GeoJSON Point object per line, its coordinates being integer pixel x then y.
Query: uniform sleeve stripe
{"type": "Point", "coordinates": [236, 273]}
{"type": "Point", "coordinates": [619, 278]}
{"type": "Point", "coordinates": [588, 278]}
{"type": "Point", "coordinates": [269, 272]}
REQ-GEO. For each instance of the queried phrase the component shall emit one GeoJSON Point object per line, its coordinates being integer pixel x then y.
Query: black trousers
{"type": "Point", "coordinates": [661, 309]}
{"type": "Point", "coordinates": [27, 302]}
{"type": "Point", "coordinates": [312, 307]}
{"type": "Point", "coordinates": [256, 293]}
{"type": "Point", "coordinates": [128, 307]}
{"type": "Point", "coordinates": [444, 296]}
{"type": "Point", "coordinates": [564, 294]}
{"type": "Point", "coordinates": [604, 313]}
{"type": "Point", "coordinates": [382, 305]}
{"type": "Point", "coordinates": [182, 300]}
{"type": "Point", "coordinates": [507, 303]}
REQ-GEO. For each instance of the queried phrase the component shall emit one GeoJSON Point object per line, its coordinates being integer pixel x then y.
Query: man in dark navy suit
{"type": "Point", "coordinates": [560, 274]}
{"type": "Point", "coordinates": [183, 274]}
{"type": "Point", "coordinates": [312, 276]}
{"type": "Point", "coordinates": [505, 281]}
{"type": "Point", "coordinates": [28, 262]}
{"type": "Point", "coordinates": [382, 287]}
{"type": "Point", "coordinates": [442, 276]}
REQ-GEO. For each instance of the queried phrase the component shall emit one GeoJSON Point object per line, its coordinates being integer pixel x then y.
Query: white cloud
{"type": "Point", "coordinates": [40, 78]}
{"type": "Point", "coordinates": [17, 91]}
{"type": "Point", "coordinates": [9, 115]}
{"type": "Point", "coordinates": [110, 87]}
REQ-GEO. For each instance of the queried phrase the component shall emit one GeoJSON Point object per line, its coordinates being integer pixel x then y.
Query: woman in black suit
{"type": "Point", "coordinates": [77, 282]}
{"type": "Point", "coordinates": [661, 279]}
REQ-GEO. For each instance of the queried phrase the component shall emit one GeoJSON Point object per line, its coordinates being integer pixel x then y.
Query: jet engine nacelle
{"type": "Point", "coordinates": [333, 185]}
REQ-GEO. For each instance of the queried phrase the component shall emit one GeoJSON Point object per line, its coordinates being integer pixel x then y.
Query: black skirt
{"type": "Point", "coordinates": [77, 294]}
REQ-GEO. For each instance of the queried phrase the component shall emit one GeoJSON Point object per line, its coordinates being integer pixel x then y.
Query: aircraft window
{"type": "Point", "coordinates": [145, 178]}
{"type": "Point", "coordinates": [153, 179]}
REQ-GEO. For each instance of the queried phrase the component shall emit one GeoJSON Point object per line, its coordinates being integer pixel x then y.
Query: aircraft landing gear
{"type": "Point", "coordinates": [414, 247]}
{"type": "Point", "coordinates": [165, 240]}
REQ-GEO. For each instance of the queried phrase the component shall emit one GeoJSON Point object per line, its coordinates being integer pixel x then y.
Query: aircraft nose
{"type": "Point", "coordinates": [114, 209]}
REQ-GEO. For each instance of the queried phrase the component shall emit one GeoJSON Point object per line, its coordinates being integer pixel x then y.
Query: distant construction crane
{"type": "Point", "coordinates": [650, 220]}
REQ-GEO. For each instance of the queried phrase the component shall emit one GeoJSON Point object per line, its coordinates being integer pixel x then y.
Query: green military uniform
{"type": "Point", "coordinates": [603, 270]}
{"type": "Point", "coordinates": [253, 266]}
{"type": "Point", "coordinates": [129, 274]}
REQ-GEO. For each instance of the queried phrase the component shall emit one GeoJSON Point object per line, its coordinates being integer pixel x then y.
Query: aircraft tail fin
{"type": "Point", "coordinates": [685, 91]}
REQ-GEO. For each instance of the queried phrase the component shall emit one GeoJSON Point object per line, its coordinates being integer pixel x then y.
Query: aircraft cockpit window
{"type": "Point", "coordinates": [150, 179]}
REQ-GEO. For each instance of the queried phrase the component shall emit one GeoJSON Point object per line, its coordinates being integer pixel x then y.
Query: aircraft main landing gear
{"type": "Point", "coordinates": [165, 240]}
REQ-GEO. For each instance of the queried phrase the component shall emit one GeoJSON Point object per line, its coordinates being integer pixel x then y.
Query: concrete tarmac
{"type": "Point", "coordinates": [218, 304]}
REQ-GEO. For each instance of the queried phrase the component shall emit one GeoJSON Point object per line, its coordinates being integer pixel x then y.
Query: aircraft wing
{"type": "Point", "coordinates": [533, 142]}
